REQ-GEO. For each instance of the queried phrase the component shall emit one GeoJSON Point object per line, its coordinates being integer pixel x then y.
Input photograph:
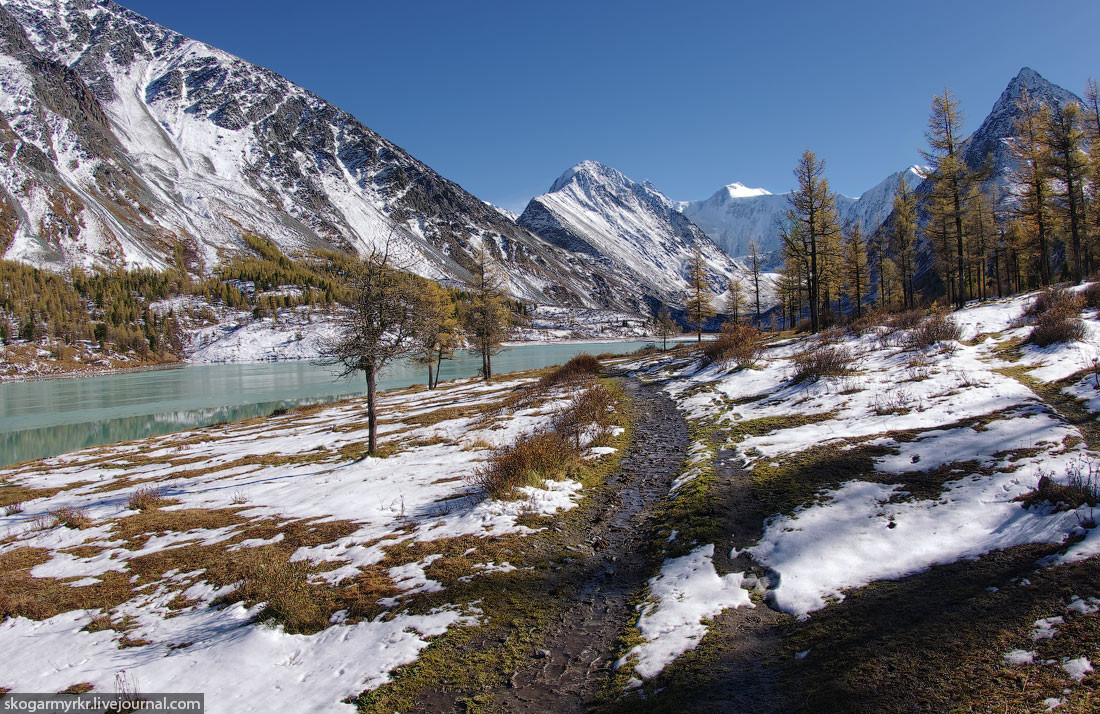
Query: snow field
{"type": "Point", "coordinates": [297, 471]}
{"type": "Point", "coordinates": [948, 405]}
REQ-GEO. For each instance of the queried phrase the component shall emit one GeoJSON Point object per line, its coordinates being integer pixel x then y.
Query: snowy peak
{"type": "Point", "coordinates": [609, 219]}
{"type": "Point", "coordinates": [736, 216]}
{"type": "Point", "coordinates": [740, 190]}
{"type": "Point", "coordinates": [1000, 124]}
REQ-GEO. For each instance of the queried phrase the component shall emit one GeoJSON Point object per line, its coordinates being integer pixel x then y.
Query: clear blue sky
{"type": "Point", "coordinates": [502, 97]}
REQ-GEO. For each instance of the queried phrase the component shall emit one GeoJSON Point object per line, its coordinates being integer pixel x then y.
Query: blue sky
{"type": "Point", "coordinates": [502, 97]}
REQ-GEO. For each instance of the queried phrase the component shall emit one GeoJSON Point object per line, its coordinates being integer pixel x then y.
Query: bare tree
{"type": "Point", "coordinates": [379, 328]}
{"type": "Point", "coordinates": [665, 326]}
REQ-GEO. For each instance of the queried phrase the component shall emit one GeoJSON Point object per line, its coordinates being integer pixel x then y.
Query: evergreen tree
{"type": "Point", "coordinates": [949, 176]}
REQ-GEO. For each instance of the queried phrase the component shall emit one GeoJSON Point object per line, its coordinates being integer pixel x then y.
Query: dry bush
{"type": "Point", "coordinates": [267, 577]}
{"type": "Point", "coordinates": [937, 328]}
{"type": "Point", "coordinates": [865, 323]}
{"type": "Point", "coordinates": [13, 508]}
{"type": "Point", "coordinates": [592, 406]}
{"type": "Point", "coordinates": [1091, 295]}
{"type": "Point", "coordinates": [70, 517]}
{"type": "Point", "coordinates": [1055, 311]}
{"type": "Point", "coordinates": [1082, 487]}
{"type": "Point", "coordinates": [530, 460]}
{"type": "Point", "coordinates": [737, 344]}
{"type": "Point", "coordinates": [146, 498]}
{"type": "Point", "coordinates": [822, 360]}
{"type": "Point", "coordinates": [1055, 298]}
{"type": "Point", "coordinates": [582, 367]}
{"type": "Point", "coordinates": [905, 320]}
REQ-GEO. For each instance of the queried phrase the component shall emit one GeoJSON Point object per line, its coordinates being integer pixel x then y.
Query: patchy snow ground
{"type": "Point", "coordinates": [992, 434]}
{"type": "Point", "coordinates": [687, 591]}
{"type": "Point", "coordinates": [299, 471]}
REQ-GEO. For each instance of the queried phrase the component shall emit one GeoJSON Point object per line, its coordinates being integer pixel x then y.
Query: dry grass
{"type": "Point", "coordinates": [527, 462]}
{"type": "Point", "coordinates": [70, 517]}
{"type": "Point", "coordinates": [268, 577]}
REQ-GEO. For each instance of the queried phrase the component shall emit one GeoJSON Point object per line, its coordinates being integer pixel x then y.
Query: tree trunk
{"type": "Point", "coordinates": [960, 298]}
{"type": "Point", "coordinates": [372, 411]}
{"type": "Point", "coordinates": [430, 385]}
{"type": "Point", "coordinates": [438, 365]}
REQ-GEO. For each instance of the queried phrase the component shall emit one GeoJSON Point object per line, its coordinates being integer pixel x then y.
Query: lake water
{"type": "Point", "coordinates": [46, 418]}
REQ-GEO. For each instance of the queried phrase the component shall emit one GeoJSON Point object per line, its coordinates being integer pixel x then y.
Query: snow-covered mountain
{"type": "Point", "coordinates": [993, 138]}
{"type": "Point", "coordinates": [121, 140]}
{"type": "Point", "coordinates": [614, 222]}
{"type": "Point", "coordinates": [736, 214]}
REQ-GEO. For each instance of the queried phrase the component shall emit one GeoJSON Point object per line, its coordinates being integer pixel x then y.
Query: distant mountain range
{"type": "Point", "coordinates": [122, 142]}
{"type": "Point", "coordinates": [736, 215]}
{"type": "Point", "coordinates": [611, 221]}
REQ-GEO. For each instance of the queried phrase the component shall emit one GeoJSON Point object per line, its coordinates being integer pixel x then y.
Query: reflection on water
{"type": "Point", "coordinates": [40, 419]}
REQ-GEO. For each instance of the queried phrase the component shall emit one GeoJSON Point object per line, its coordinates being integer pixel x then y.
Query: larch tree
{"type": "Point", "coordinates": [903, 241]}
{"type": "Point", "coordinates": [855, 266]}
{"type": "Point", "coordinates": [379, 327]}
{"type": "Point", "coordinates": [486, 318]}
{"type": "Point", "coordinates": [665, 325]}
{"type": "Point", "coordinates": [949, 176]}
{"type": "Point", "coordinates": [1031, 177]}
{"type": "Point", "coordinates": [735, 298]}
{"type": "Point", "coordinates": [813, 222]}
{"type": "Point", "coordinates": [1066, 163]}
{"type": "Point", "coordinates": [699, 305]}
{"type": "Point", "coordinates": [1092, 134]}
{"type": "Point", "coordinates": [981, 230]}
{"type": "Point", "coordinates": [437, 330]}
{"type": "Point", "coordinates": [754, 266]}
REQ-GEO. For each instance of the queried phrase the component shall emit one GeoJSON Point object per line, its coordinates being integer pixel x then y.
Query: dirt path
{"type": "Point", "coordinates": [579, 649]}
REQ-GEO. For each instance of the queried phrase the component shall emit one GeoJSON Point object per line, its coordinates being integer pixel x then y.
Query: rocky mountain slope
{"type": "Point", "coordinates": [613, 222]}
{"type": "Point", "coordinates": [736, 214]}
{"type": "Point", "coordinates": [121, 141]}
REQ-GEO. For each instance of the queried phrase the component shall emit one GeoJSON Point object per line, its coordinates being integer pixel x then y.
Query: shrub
{"type": "Point", "coordinates": [1057, 299]}
{"type": "Point", "coordinates": [146, 498]}
{"type": "Point", "coordinates": [822, 360]}
{"type": "Point", "coordinates": [530, 460]}
{"type": "Point", "coordinates": [1055, 311]}
{"type": "Point", "coordinates": [1091, 295]}
{"type": "Point", "coordinates": [739, 345]}
{"type": "Point", "coordinates": [1082, 487]}
{"type": "Point", "coordinates": [905, 320]}
{"type": "Point", "coordinates": [592, 406]}
{"type": "Point", "coordinates": [13, 508]}
{"type": "Point", "coordinates": [937, 328]}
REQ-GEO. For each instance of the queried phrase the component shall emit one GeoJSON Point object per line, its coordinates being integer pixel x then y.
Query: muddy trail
{"type": "Point", "coordinates": [580, 649]}
{"type": "Point", "coordinates": [602, 567]}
